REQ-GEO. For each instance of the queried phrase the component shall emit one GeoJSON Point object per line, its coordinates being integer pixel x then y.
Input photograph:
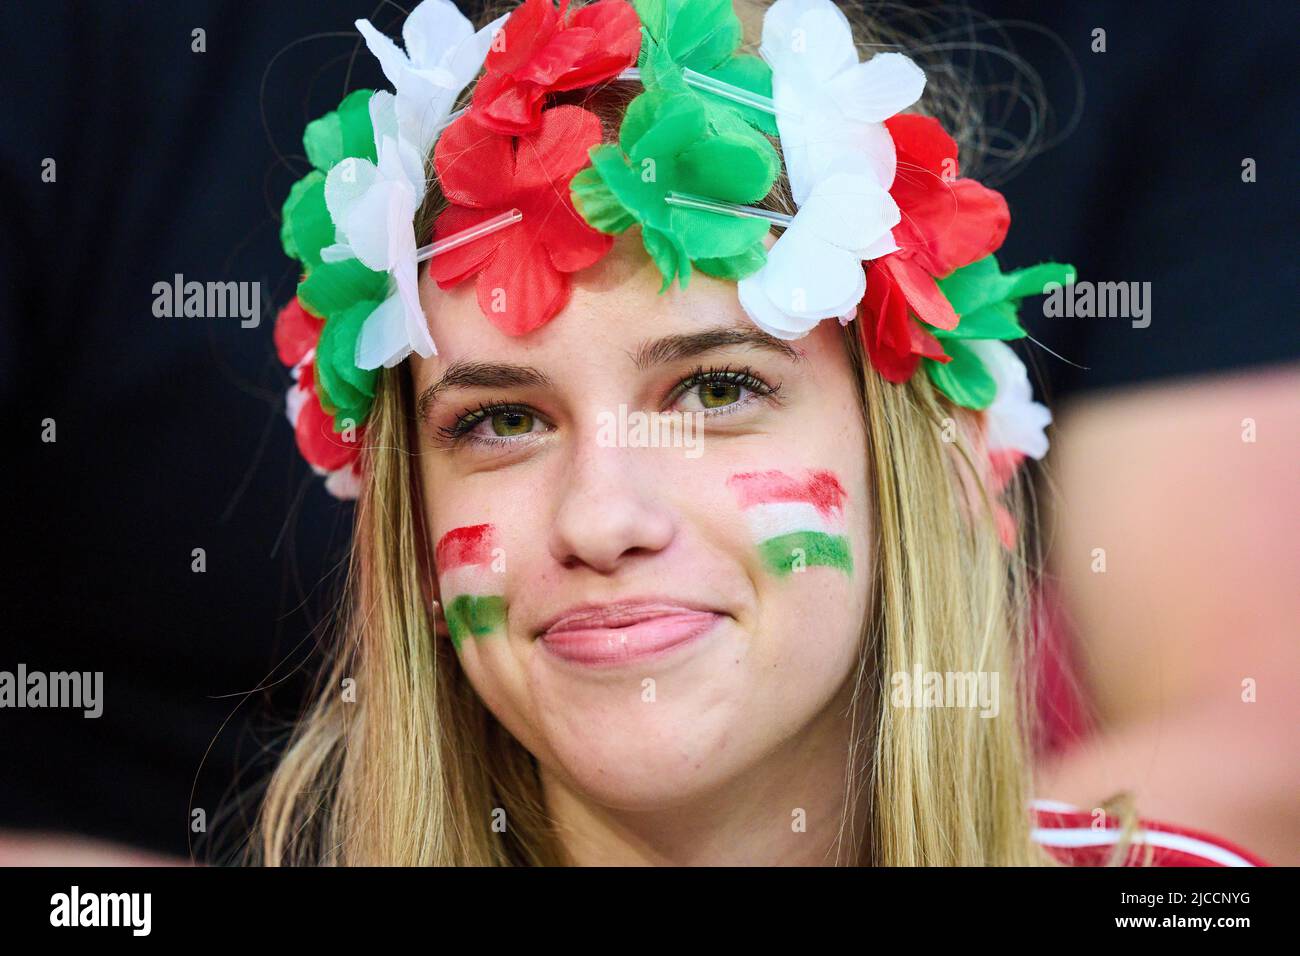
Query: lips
{"type": "Point", "coordinates": [626, 631]}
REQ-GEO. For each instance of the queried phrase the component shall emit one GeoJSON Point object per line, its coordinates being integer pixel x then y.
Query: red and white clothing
{"type": "Point", "coordinates": [1072, 836]}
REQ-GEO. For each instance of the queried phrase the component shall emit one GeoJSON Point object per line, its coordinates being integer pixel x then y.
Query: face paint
{"type": "Point", "coordinates": [470, 582]}
{"type": "Point", "coordinates": [798, 522]}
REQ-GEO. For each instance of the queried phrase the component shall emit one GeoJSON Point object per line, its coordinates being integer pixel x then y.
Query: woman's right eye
{"type": "Point", "coordinates": [511, 423]}
{"type": "Point", "coordinates": [494, 424]}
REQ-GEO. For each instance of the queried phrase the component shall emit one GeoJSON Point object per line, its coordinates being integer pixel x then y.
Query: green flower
{"type": "Point", "coordinates": [341, 133]}
{"type": "Point", "coordinates": [988, 301]}
{"type": "Point", "coordinates": [670, 140]}
{"type": "Point", "coordinates": [305, 226]}
{"type": "Point", "coordinates": [703, 36]}
{"type": "Point", "coordinates": [347, 392]}
{"type": "Point", "coordinates": [331, 287]}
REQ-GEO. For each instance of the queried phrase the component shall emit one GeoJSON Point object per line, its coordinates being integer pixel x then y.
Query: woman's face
{"type": "Point", "coordinates": [653, 605]}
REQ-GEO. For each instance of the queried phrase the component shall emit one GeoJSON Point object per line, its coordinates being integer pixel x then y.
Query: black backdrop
{"type": "Point", "coordinates": [170, 431]}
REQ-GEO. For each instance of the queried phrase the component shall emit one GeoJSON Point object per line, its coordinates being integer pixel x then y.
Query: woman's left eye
{"type": "Point", "coordinates": [713, 389]}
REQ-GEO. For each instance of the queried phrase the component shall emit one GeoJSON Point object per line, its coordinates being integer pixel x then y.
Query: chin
{"type": "Point", "coordinates": [668, 755]}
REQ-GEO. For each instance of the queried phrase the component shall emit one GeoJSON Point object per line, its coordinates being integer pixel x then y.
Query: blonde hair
{"type": "Point", "coordinates": [411, 772]}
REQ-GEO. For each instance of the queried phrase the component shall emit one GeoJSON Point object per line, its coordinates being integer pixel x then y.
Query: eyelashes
{"type": "Point", "coordinates": [744, 377]}
{"type": "Point", "coordinates": [464, 429]}
{"type": "Point", "coordinates": [471, 418]}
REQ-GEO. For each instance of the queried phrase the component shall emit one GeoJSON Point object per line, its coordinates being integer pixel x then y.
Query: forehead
{"type": "Point", "coordinates": [613, 306]}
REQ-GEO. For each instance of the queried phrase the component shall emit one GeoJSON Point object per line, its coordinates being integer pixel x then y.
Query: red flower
{"type": "Point", "coordinates": [318, 442]}
{"type": "Point", "coordinates": [296, 333]}
{"type": "Point", "coordinates": [547, 51]}
{"type": "Point", "coordinates": [895, 341]}
{"type": "Point", "coordinates": [523, 269]}
{"type": "Point", "coordinates": [947, 223]}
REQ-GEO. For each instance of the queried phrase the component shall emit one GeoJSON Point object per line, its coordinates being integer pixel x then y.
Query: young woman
{"type": "Point", "coordinates": [688, 527]}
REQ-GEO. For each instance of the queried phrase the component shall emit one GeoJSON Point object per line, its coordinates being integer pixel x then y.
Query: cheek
{"type": "Point", "coordinates": [807, 531]}
{"type": "Point", "coordinates": [797, 520]}
{"type": "Point", "coordinates": [471, 564]}
{"type": "Point", "coordinates": [478, 577]}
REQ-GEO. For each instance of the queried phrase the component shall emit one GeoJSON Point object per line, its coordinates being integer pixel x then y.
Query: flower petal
{"type": "Point", "coordinates": [318, 443]}
{"type": "Point", "coordinates": [919, 291]}
{"type": "Point", "coordinates": [406, 277]}
{"type": "Point", "coordinates": [384, 340]}
{"type": "Point", "coordinates": [519, 290]}
{"type": "Point", "coordinates": [738, 168]}
{"type": "Point", "coordinates": [809, 37]}
{"type": "Point", "coordinates": [454, 266]}
{"type": "Point", "coordinates": [345, 184]}
{"type": "Point", "coordinates": [373, 219]}
{"type": "Point", "coordinates": [571, 244]}
{"type": "Point", "coordinates": [345, 483]}
{"type": "Point", "coordinates": [874, 91]}
{"type": "Point", "coordinates": [473, 163]}
{"type": "Point", "coordinates": [1015, 421]}
{"type": "Point", "coordinates": [296, 333]}
{"type": "Point", "coordinates": [811, 279]}
{"type": "Point", "coordinates": [851, 211]}
{"type": "Point", "coordinates": [765, 314]}
{"type": "Point", "coordinates": [433, 29]}
{"type": "Point", "coordinates": [882, 325]}
{"type": "Point", "coordinates": [923, 144]}
{"type": "Point", "coordinates": [529, 24]}
{"type": "Point", "coordinates": [467, 59]}
{"type": "Point", "coordinates": [390, 56]}
{"type": "Point", "coordinates": [708, 235]}
{"type": "Point", "coordinates": [548, 157]}
{"type": "Point", "coordinates": [951, 228]}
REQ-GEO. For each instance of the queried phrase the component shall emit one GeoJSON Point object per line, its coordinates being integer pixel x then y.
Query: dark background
{"type": "Point", "coordinates": [170, 432]}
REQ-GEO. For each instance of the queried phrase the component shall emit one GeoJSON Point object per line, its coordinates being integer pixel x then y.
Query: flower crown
{"type": "Point", "coordinates": [886, 231]}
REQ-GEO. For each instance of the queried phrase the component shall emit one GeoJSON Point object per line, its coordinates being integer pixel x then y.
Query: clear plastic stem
{"type": "Point", "coordinates": [457, 239]}
{"type": "Point", "coordinates": [727, 91]}
{"type": "Point", "coordinates": [688, 201]}
{"type": "Point", "coordinates": [716, 87]}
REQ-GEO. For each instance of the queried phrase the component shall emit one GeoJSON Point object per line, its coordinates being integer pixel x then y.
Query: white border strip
{"type": "Point", "coordinates": [1054, 806]}
{"type": "Point", "coordinates": [1087, 836]}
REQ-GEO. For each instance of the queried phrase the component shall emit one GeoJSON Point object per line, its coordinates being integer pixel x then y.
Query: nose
{"type": "Point", "coordinates": [611, 510]}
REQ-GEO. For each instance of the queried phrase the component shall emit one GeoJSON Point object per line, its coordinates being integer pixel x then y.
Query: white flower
{"type": "Point", "coordinates": [373, 209]}
{"type": "Point", "coordinates": [827, 102]}
{"type": "Point", "coordinates": [373, 205]}
{"type": "Point", "coordinates": [814, 270]}
{"type": "Point", "coordinates": [840, 160]}
{"type": "Point", "coordinates": [345, 483]}
{"type": "Point", "coordinates": [1015, 421]}
{"type": "Point", "coordinates": [443, 54]}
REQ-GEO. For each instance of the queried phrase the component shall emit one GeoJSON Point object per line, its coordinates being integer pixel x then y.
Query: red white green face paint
{"type": "Point", "coordinates": [470, 578]}
{"type": "Point", "coordinates": [798, 521]}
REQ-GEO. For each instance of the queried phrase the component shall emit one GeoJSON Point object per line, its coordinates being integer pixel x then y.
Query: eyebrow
{"type": "Point", "coordinates": [480, 375]}
{"type": "Point", "coordinates": [670, 348]}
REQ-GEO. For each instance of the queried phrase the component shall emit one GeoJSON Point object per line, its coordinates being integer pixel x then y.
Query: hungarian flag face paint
{"type": "Point", "coordinates": [798, 521]}
{"type": "Point", "coordinates": [470, 584]}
